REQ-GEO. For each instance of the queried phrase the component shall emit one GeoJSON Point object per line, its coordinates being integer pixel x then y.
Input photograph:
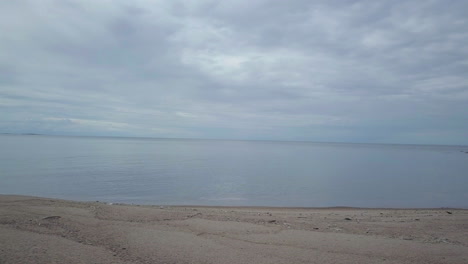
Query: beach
{"type": "Point", "coordinates": [42, 230]}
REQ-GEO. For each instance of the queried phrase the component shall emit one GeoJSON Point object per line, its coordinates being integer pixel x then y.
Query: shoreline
{"type": "Point", "coordinates": [339, 207]}
{"type": "Point", "coordinates": [45, 230]}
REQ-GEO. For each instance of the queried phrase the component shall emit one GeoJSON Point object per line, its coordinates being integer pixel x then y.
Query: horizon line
{"type": "Point", "coordinates": [230, 139]}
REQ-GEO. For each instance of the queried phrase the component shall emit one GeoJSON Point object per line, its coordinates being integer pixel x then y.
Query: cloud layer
{"type": "Point", "coordinates": [354, 71]}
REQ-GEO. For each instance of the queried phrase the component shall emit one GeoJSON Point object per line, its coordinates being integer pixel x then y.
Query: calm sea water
{"type": "Point", "coordinates": [256, 173]}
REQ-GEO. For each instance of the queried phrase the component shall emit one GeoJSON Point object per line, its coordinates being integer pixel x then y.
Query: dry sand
{"type": "Point", "coordinates": [40, 230]}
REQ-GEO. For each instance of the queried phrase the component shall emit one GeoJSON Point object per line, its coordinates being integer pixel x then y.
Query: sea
{"type": "Point", "coordinates": [233, 172]}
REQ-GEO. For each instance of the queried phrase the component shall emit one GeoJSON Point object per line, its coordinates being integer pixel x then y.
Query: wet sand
{"type": "Point", "coordinates": [41, 230]}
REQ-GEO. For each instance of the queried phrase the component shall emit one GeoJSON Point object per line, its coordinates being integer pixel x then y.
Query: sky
{"type": "Point", "coordinates": [326, 71]}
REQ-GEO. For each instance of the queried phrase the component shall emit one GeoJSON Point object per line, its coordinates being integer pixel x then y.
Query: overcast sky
{"type": "Point", "coordinates": [340, 71]}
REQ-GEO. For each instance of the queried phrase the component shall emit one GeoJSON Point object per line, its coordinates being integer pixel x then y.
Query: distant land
{"type": "Point", "coordinates": [24, 134]}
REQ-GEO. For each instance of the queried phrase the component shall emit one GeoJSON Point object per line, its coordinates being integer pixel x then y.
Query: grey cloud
{"type": "Point", "coordinates": [374, 71]}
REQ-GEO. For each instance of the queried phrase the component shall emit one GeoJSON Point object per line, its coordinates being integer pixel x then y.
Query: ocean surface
{"type": "Point", "coordinates": [244, 173]}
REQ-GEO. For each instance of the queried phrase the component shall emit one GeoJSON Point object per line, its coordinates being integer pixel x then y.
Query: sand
{"type": "Point", "coordinates": [41, 230]}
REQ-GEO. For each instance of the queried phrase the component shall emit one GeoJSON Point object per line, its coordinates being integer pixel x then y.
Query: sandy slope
{"type": "Point", "coordinates": [96, 232]}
